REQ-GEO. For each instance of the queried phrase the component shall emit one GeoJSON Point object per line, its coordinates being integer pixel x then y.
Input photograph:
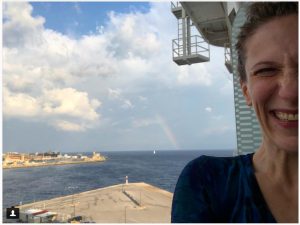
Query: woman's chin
{"type": "Point", "coordinates": [291, 147]}
{"type": "Point", "coordinates": [287, 144]}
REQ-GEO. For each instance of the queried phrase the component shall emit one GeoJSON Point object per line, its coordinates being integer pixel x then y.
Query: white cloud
{"type": "Point", "coordinates": [196, 75]}
{"type": "Point", "coordinates": [137, 66]}
{"type": "Point", "coordinates": [143, 98]}
{"type": "Point", "coordinates": [132, 33]}
{"type": "Point", "coordinates": [70, 102]}
{"type": "Point", "coordinates": [208, 109]}
{"type": "Point", "coordinates": [127, 104]}
{"type": "Point", "coordinates": [116, 94]}
{"type": "Point", "coordinates": [140, 52]}
{"type": "Point", "coordinates": [145, 122]}
{"type": "Point", "coordinates": [20, 28]}
{"type": "Point", "coordinates": [43, 68]}
{"type": "Point", "coordinates": [20, 105]}
{"type": "Point", "coordinates": [68, 126]}
{"type": "Point", "coordinates": [41, 65]}
{"type": "Point", "coordinates": [67, 103]}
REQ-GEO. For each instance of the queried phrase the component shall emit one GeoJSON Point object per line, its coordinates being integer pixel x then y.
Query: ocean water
{"type": "Point", "coordinates": [40, 183]}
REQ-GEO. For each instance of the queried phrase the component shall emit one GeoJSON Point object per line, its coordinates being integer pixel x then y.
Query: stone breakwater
{"type": "Point", "coordinates": [146, 204]}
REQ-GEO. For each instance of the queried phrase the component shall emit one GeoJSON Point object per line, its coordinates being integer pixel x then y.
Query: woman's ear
{"type": "Point", "coordinates": [245, 91]}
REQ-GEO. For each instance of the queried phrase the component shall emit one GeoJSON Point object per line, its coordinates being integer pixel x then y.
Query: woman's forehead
{"type": "Point", "coordinates": [273, 40]}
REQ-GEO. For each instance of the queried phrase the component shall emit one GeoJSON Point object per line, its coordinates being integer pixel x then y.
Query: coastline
{"type": "Point", "coordinates": [51, 164]}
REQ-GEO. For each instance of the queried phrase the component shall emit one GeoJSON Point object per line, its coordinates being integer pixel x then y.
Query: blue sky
{"type": "Point", "coordinates": [84, 17]}
{"type": "Point", "coordinates": [99, 76]}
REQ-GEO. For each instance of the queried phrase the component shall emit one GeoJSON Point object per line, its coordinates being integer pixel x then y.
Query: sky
{"type": "Point", "coordinates": [99, 76]}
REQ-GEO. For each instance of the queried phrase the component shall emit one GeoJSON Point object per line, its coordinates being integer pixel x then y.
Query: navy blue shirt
{"type": "Point", "coordinates": [219, 189]}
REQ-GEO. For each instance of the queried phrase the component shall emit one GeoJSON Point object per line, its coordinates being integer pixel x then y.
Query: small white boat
{"type": "Point", "coordinates": [154, 152]}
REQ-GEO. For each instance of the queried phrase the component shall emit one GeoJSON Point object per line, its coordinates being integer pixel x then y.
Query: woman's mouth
{"type": "Point", "coordinates": [286, 116]}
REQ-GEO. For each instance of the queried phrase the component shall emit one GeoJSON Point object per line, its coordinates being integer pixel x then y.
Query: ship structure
{"type": "Point", "coordinates": [217, 24]}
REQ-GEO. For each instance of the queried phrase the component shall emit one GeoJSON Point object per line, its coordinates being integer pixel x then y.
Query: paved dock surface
{"type": "Point", "coordinates": [123, 203]}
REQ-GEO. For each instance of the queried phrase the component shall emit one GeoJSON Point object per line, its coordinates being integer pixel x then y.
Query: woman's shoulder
{"type": "Point", "coordinates": [218, 164]}
{"type": "Point", "coordinates": [206, 185]}
{"type": "Point", "coordinates": [211, 170]}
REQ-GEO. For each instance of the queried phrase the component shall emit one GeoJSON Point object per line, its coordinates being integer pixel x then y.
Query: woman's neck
{"type": "Point", "coordinates": [279, 165]}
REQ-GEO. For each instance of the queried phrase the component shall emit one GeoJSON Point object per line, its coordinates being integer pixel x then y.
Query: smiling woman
{"type": "Point", "coordinates": [271, 82]}
{"type": "Point", "coordinates": [261, 186]}
{"type": "Point", "coordinates": [270, 85]}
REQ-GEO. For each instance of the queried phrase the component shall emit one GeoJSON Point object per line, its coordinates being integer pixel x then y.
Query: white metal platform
{"type": "Point", "coordinates": [188, 60]}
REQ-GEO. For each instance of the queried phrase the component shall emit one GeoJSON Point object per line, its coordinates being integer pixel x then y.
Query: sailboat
{"type": "Point", "coordinates": [154, 152]}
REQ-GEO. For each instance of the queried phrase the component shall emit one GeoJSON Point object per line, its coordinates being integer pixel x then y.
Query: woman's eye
{"type": "Point", "coordinates": [265, 72]}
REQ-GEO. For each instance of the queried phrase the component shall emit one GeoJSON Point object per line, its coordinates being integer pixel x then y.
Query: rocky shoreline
{"type": "Point", "coordinates": [29, 165]}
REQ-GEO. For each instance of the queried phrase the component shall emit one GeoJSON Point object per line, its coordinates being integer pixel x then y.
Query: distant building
{"type": "Point", "coordinates": [97, 156]}
{"type": "Point", "coordinates": [67, 156]}
{"type": "Point", "coordinates": [46, 156]}
{"type": "Point", "coordinates": [11, 157]}
{"type": "Point", "coordinates": [51, 154]}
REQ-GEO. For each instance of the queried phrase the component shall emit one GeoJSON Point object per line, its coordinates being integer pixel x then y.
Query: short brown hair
{"type": "Point", "coordinates": [259, 13]}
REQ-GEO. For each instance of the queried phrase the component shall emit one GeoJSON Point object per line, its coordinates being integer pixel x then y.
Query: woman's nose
{"type": "Point", "coordinates": [289, 85]}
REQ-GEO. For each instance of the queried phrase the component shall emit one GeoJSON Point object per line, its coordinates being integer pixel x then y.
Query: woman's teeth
{"type": "Point", "coordinates": [286, 116]}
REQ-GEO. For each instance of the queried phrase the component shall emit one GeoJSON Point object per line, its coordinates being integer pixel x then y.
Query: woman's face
{"type": "Point", "coordinates": [272, 80]}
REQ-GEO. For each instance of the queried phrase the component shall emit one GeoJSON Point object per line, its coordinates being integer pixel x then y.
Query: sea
{"type": "Point", "coordinates": [26, 185]}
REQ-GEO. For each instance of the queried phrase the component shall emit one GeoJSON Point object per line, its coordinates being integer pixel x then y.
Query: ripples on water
{"type": "Point", "coordinates": [34, 184]}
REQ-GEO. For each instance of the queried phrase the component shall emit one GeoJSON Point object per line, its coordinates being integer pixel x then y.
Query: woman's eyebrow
{"type": "Point", "coordinates": [271, 63]}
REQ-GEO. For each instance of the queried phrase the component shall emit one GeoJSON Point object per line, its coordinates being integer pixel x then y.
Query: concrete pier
{"type": "Point", "coordinates": [123, 203]}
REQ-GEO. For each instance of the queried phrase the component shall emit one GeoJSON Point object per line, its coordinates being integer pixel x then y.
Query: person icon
{"type": "Point", "coordinates": [12, 213]}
